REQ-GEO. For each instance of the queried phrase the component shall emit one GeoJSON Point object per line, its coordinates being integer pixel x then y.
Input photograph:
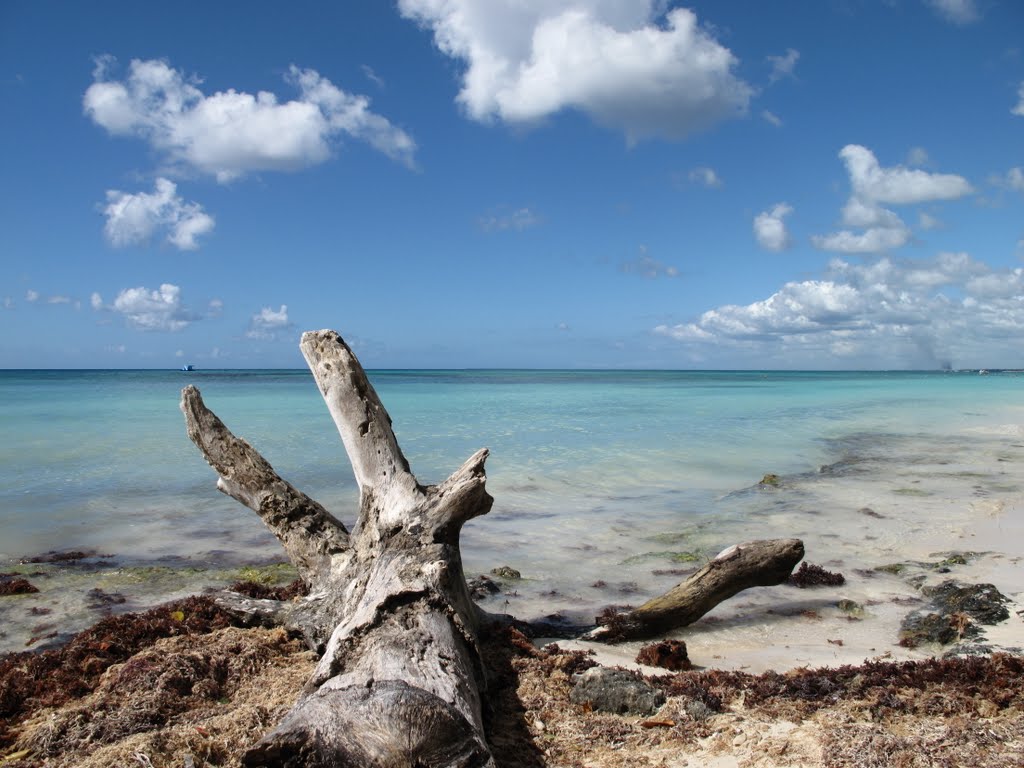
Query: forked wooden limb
{"type": "Point", "coordinates": [762, 563]}
{"type": "Point", "coordinates": [400, 679]}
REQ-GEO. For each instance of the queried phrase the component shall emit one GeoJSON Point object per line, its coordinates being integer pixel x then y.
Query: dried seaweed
{"type": "Point", "coordinates": [29, 681]}
{"type": "Point", "coordinates": [17, 587]}
{"type": "Point", "coordinates": [254, 589]}
{"type": "Point", "coordinates": [811, 575]}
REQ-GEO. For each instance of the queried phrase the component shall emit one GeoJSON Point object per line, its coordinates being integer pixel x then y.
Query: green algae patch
{"type": "Point", "coordinates": [266, 575]}
{"type": "Point", "coordinates": [673, 557]}
{"type": "Point", "coordinates": [892, 568]}
{"type": "Point", "coordinates": [916, 492]}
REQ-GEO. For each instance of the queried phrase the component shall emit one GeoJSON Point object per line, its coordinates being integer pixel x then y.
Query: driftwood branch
{"type": "Point", "coordinates": [309, 533]}
{"type": "Point", "coordinates": [741, 566]}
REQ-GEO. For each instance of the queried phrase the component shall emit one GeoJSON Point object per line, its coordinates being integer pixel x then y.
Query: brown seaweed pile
{"type": "Point", "coordinates": [200, 697]}
{"type": "Point", "coordinates": [30, 681]}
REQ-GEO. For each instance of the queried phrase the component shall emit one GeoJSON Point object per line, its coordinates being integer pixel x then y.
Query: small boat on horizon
{"type": "Point", "coordinates": [188, 367]}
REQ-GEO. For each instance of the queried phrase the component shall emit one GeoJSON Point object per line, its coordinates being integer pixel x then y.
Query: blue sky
{"type": "Point", "coordinates": [514, 183]}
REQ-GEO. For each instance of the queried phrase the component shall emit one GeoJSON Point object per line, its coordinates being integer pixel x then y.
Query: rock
{"type": "Point", "coordinates": [982, 602]}
{"type": "Point", "coordinates": [616, 691]}
{"type": "Point", "coordinates": [918, 628]}
{"type": "Point", "coordinates": [698, 710]}
{"type": "Point", "coordinates": [869, 512]}
{"type": "Point", "coordinates": [667, 654]}
{"type": "Point", "coordinates": [851, 608]}
{"type": "Point", "coordinates": [506, 572]}
{"type": "Point", "coordinates": [770, 481]}
{"type": "Point", "coordinates": [482, 587]}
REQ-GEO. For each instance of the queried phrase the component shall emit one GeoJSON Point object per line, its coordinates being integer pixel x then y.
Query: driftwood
{"type": "Point", "coordinates": [400, 679]}
{"type": "Point", "coordinates": [752, 564]}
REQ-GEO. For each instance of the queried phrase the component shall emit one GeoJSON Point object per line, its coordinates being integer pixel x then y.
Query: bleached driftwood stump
{"type": "Point", "coordinates": [400, 678]}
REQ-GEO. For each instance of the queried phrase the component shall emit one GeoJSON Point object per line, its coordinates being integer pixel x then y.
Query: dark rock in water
{"type": "Point", "coordinates": [770, 481]}
{"type": "Point", "coordinates": [99, 600]}
{"type": "Point", "coordinates": [616, 691]}
{"type": "Point", "coordinates": [506, 572]}
{"type": "Point", "coordinates": [941, 629]}
{"type": "Point", "coordinates": [982, 602]}
{"type": "Point", "coordinates": [811, 575]}
{"type": "Point", "coordinates": [70, 556]}
{"type": "Point", "coordinates": [851, 608]}
{"type": "Point", "coordinates": [482, 587]}
{"type": "Point", "coordinates": [667, 654]}
{"type": "Point", "coordinates": [869, 512]}
{"type": "Point", "coordinates": [17, 587]}
{"type": "Point", "coordinates": [967, 650]}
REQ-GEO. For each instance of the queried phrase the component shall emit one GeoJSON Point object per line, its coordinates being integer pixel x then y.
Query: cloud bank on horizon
{"type": "Point", "coordinates": [588, 139]}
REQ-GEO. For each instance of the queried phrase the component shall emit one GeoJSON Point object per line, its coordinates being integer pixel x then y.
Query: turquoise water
{"type": "Point", "coordinates": [593, 472]}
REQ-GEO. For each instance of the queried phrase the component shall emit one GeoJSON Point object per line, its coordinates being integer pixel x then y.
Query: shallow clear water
{"type": "Point", "coordinates": [597, 475]}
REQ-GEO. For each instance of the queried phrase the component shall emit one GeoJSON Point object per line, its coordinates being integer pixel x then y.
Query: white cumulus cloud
{"type": "Point", "coordinates": [770, 227]}
{"type": "Point", "coordinates": [950, 309]}
{"type": "Point", "coordinates": [871, 185]}
{"type": "Point", "coordinates": [624, 64]}
{"type": "Point", "coordinates": [158, 310]}
{"type": "Point", "coordinates": [268, 323]}
{"type": "Point", "coordinates": [132, 219]}
{"type": "Point", "coordinates": [1019, 108]}
{"type": "Point", "coordinates": [898, 185]}
{"type": "Point", "coordinates": [955, 11]}
{"type": "Point", "coordinates": [772, 118]}
{"type": "Point", "coordinates": [31, 296]}
{"type": "Point", "coordinates": [230, 133]}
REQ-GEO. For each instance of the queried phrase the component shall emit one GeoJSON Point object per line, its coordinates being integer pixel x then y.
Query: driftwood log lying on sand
{"type": "Point", "coordinates": [400, 680]}
{"type": "Point", "coordinates": [762, 563]}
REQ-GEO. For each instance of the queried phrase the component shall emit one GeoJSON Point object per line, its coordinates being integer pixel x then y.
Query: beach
{"type": "Point", "coordinates": [902, 484]}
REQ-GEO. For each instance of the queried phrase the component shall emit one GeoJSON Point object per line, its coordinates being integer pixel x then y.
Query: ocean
{"type": "Point", "coordinates": [609, 485]}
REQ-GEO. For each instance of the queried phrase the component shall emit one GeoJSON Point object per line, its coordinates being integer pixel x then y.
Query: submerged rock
{"type": "Point", "coordinates": [482, 587]}
{"type": "Point", "coordinates": [982, 602]}
{"type": "Point", "coordinates": [939, 629]}
{"type": "Point", "coordinates": [770, 481]}
{"type": "Point", "coordinates": [616, 691]}
{"type": "Point", "coordinates": [506, 572]}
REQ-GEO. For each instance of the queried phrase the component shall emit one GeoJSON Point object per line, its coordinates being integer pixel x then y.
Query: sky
{"type": "Point", "coordinates": [513, 183]}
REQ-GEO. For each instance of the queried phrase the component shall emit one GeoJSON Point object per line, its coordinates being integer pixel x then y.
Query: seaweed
{"type": "Point", "coordinates": [254, 589]}
{"type": "Point", "coordinates": [668, 654]}
{"type": "Point", "coordinates": [811, 575]}
{"type": "Point", "coordinates": [29, 681]}
{"type": "Point", "coordinates": [17, 587]}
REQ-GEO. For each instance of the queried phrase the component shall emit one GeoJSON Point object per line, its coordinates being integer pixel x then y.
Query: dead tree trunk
{"type": "Point", "coordinates": [400, 679]}
{"type": "Point", "coordinates": [753, 564]}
